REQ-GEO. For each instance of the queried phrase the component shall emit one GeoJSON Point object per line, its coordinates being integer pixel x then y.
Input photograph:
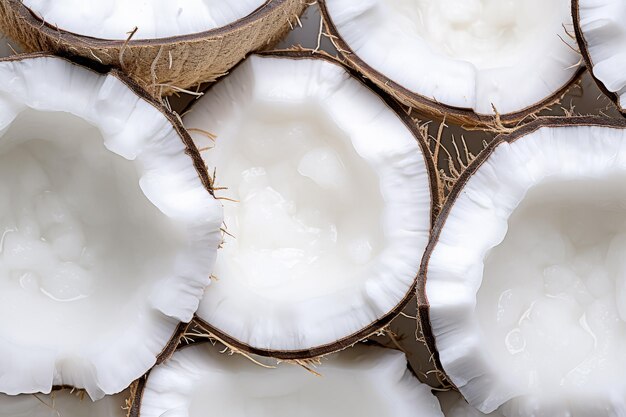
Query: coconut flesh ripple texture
{"type": "Point", "coordinates": [361, 381]}
{"type": "Point", "coordinates": [463, 53]}
{"type": "Point", "coordinates": [604, 34]}
{"type": "Point", "coordinates": [115, 19]}
{"type": "Point", "coordinates": [62, 404]}
{"type": "Point", "coordinates": [107, 234]}
{"type": "Point", "coordinates": [332, 205]}
{"type": "Point", "coordinates": [533, 308]}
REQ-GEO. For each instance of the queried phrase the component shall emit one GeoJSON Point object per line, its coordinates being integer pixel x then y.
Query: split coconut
{"type": "Point", "coordinates": [600, 30]}
{"type": "Point", "coordinates": [363, 381]}
{"type": "Point", "coordinates": [165, 45]}
{"type": "Point", "coordinates": [462, 59]}
{"type": "Point", "coordinates": [523, 286]}
{"type": "Point", "coordinates": [327, 199]}
{"type": "Point", "coordinates": [108, 228]}
{"type": "Point", "coordinates": [62, 403]}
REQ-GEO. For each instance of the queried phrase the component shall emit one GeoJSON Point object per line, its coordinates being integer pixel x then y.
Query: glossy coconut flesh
{"type": "Point", "coordinates": [62, 404]}
{"type": "Point", "coordinates": [463, 53]}
{"type": "Point", "coordinates": [116, 19]}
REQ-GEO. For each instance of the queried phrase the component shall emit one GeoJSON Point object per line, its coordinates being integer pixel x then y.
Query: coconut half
{"type": "Point", "coordinates": [108, 228]}
{"type": "Point", "coordinates": [63, 403]}
{"type": "Point", "coordinates": [459, 59]}
{"type": "Point", "coordinates": [327, 206]}
{"type": "Point", "coordinates": [601, 34]}
{"type": "Point", "coordinates": [365, 381]}
{"type": "Point", "coordinates": [166, 45]}
{"type": "Point", "coordinates": [523, 286]}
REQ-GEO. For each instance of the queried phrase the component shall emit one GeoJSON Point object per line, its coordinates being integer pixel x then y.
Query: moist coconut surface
{"type": "Point", "coordinates": [107, 234]}
{"type": "Point", "coordinates": [360, 381]}
{"type": "Point", "coordinates": [454, 405]}
{"type": "Point", "coordinates": [61, 404]}
{"type": "Point", "coordinates": [330, 203]}
{"type": "Point", "coordinates": [601, 23]}
{"type": "Point", "coordinates": [115, 19]}
{"type": "Point", "coordinates": [532, 309]}
{"type": "Point", "coordinates": [463, 53]}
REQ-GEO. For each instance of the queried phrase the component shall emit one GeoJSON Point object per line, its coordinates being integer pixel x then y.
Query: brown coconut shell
{"type": "Point", "coordinates": [457, 190]}
{"type": "Point", "coordinates": [382, 322]}
{"type": "Point", "coordinates": [190, 149]}
{"type": "Point", "coordinates": [584, 51]}
{"type": "Point", "coordinates": [463, 116]}
{"type": "Point", "coordinates": [165, 65]}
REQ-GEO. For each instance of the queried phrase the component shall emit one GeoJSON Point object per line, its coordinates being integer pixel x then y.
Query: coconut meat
{"type": "Point", "coordinates": [463, 53]}
{"type": "Point", "coordinates": [62, 404]}
{"type": "Point", "coordinates": [116, 19]}
{"type": "Point", "coordinates": [360, 381]}
{"type": "Point", "coordinates": [454, 405]}
{"type": "Point", "coordinates": [531, 313]}
{"type": "Point", "coordinates": [107, 235]}
{"type": "Point", "coordinates": [329, 207]}
{"type": "Point", "coordinates": [602, 26]}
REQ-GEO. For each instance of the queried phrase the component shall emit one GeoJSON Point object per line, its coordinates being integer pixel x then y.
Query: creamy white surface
{"type": "Point", "coordinates": [535, 323]}
{"type": "Point", "coordinates": [62, 404]}
{"type": "Point", "coordinates": [360, 381]}
{"type": "Point", "coordinates": [463, 53]}
{"type": "Point", "coordinates": [453, 405]}
{"type": "Point", "coordinates": [331, 210]}
{"type": "Point", "coordinates": [107, 235]}
{"type": "Point", "coordinates": [602, 23]}
{"type": "Point", "coordinates": [115, 19]}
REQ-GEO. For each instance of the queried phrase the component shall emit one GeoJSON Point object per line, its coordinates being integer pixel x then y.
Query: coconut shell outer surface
{"type": "Point", "coordinates": [463, 116]}
{"type": "Point", "coordinates": [161, 66]}
{"type": "Point", "coordinates": [423, 315]}
{"type": "Point", "coordinates": [584, 51]}
{"type": "Point", "coordinates": [379, 325]}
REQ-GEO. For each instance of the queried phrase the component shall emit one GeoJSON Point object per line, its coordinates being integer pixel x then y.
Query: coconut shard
{"type": "Point", "coordinates": [62, 403]}
{"type": "Point", "coordinates": [465, 60]}
{"type": "Point", "coordinates": [599, 27]}
{"type": "Point", "coordinates": [108, 228]}
{"type": "Point", "coordinates": [522, 290]}
{"type": "Point", "coordinates": [365, 380]}
{"type": "Point", "coordinates": [164, 45]}
{"type": "Point", "coordinates": [327, 196]}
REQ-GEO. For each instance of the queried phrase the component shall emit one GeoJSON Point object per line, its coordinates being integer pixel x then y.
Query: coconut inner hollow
{"type": "Point", "coordinates": [463, 53]}
{"type": "Point", "coordinates": [115, 19]}
{"type": "Point", "coordinates": [552, 303]}
{"type": "Point", "coordinates": [75, 232]}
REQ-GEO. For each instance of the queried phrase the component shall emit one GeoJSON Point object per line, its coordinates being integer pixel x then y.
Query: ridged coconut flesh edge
{"type": "Point", "coordinates": [62, 403]}
{"type": "Point", "coordinates": [161, 66]}
{"type": "Point", "coordinates": [599, 28]}
{"type": "Point", "coordinates": [364, 381]}
{"type": "Point", "coordinates": [567, 74]}
{"type": "Point", "coordinates": [47, 97]}
{"type": "Point", "coordinates": [574, 148]}
{"type": "Point", "coordinates": [297, 324]}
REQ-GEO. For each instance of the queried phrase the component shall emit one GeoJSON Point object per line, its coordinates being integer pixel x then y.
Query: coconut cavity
{"type": "Point", "coordinates": [116, 19]}
{"type": "Point", "coordinates": [600, 27]}
{"type": "Point", "coordinates": [107, 233]}
{"type": "Point", "coordinates": [468, 54]}
{"type": "Point", "coordinates": [327, 208]}
{"type": "Point", "coordinates": [360, 381]}
{"type": "Point", "coordinates": [61, 404]}
{"type": "Point", "coordinates": [525, 281]}
{"type": "Point", "coordinates": [555, 317]}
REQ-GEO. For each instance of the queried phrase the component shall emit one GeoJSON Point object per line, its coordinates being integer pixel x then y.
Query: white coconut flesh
{"type": "Point", "coordinates": [603, 29]}
{"type": "Point", "coordinates": [62, 404]}
{"type": "Point", "coordinates": [116, 19]}
{"type": "Point", "coordinates": [331, 203]}
{"type": "Point", "coordinates": [527, 281]}
{"type": "Point", "coordinates": [454, 405]}
{"type": "Point", "coordinates": [463, 53]}
{"type": "Point", "coordinates": [107, 235]}
{"type": "Point", "coordinates": [363, 381]}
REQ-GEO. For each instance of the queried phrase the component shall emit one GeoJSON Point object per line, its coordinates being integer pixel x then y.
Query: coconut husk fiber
{"type": "Point", "coordinates": [162, 66]}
